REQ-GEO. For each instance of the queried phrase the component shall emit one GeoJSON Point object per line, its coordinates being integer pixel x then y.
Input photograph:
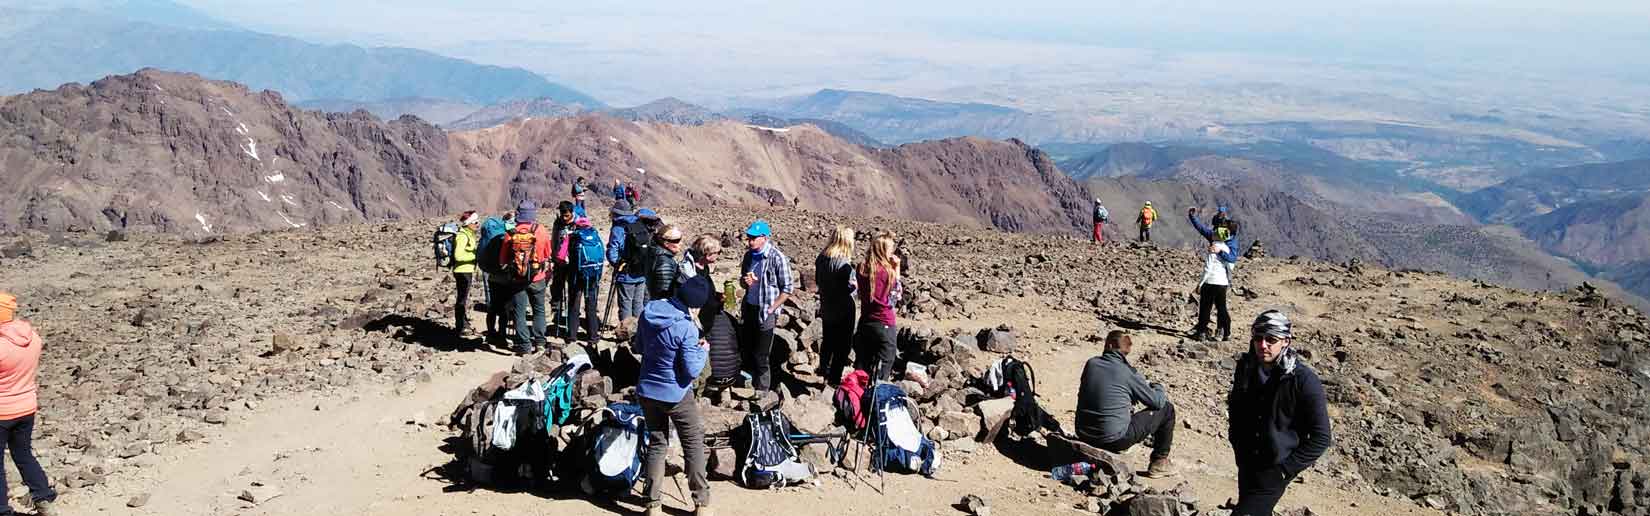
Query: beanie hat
{"type": "Point", "coordinates": [694, 291]}
{"type": "Point", "coordinates": [8, 307]}
{"type": "Point", "coordinates": [622, 208]}
{"type": "Point", "coordinates": [527, 212]}
{"type": "Point", "coordinates": [1272, 323]}
{"type": "Point", "coordinates": [581, 222]}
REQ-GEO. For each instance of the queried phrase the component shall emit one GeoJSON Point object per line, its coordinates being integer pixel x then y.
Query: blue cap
{"type": "Point", "coordinates": [1221, 209]}
{"type": "Point", "coordinates": [758, 229]}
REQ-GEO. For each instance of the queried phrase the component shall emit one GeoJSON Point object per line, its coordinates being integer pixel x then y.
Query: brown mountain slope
{"type": "Point", "coordinates": [966, 180]}
{"type": "Point", "coordinates": [177, 153]}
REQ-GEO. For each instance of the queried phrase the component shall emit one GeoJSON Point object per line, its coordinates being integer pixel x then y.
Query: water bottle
{"type": "Point", "coordinates": [728, 299]}
{"type": "Point", "coordinates": [1068, 472]}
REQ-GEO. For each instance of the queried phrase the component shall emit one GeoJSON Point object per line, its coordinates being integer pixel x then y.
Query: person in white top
{"type": "Point", "coordinates": [1217, 279]}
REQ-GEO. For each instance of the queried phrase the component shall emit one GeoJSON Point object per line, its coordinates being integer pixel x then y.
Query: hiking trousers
{"type": "Point", "coordinates": [834, 347]}
{"type": "Point", "coordinates": [1099, 232]}
{"type": "Point", "coordinates": [499, 313]}
{"type": "Point", "coordinates": [632, 297]}
{"type": "Point", "coordinates": [758, 342]}
{"type": "Point", "coordinates": [18, 435]}
{"type": "Point", "coordinates": [1157, 424]}
{"type": "Point", "coordinates": [461, 308]}
{"type": "Point", "coordinates": [691, 430]}
{"type": "Point", "coordinates": [1213, 296]}
{"type": "Point", "coordinates": [875, 349]}
{"type": "Point", "coordinates": [529, 296]}
{"type": "Point", "coordinates": [1145, 233]}
{"type": "Point", "coordinates": [560, 286]}
{"type": "Point", "coordinates": [1259, 490]}
{"type": "Point", "coordinates": [586, 291]}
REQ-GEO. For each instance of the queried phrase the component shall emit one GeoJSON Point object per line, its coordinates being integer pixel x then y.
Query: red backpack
{"type": "Point", "coordinates": [521, 264]}
{"type": "Point", "coordinates": [850, 399]}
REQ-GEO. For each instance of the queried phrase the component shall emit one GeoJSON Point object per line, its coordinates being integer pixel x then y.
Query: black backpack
{"type": "Point", "coordinates": [638, 249]}
{"type": "Point", "coordinates": [767, 444]}
{"type": "Point", "coordinates": [1028, 415]}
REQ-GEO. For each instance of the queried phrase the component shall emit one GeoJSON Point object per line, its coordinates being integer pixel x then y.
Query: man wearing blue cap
{"type": "Point", "coordinates": [672, 357]}
{"type": "Point", "coordinates": [1277, 417]}
{"type": "Point", "coordinates": [767, 278]}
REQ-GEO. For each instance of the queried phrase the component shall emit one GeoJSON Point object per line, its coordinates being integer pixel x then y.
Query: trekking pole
{"type": "Point", "coordinates": [612, 290]}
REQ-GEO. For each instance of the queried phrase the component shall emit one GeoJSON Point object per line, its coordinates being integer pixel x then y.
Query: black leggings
{"type": "Point", "coordinates": [834, 348]}
{"type": "Point", "coordinates": [461, 309]}
{"type": "Point", "coordinates": [1213, 296]}
{"type": "Point", "coordinates": [758, 346]}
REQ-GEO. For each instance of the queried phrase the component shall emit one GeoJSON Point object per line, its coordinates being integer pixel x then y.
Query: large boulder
{"type": "Point", "coordinates": [960, 424]}
{"type": "Point", "coordinates": [997, 340]}
{"type": "Point", "coordinates": [994, 416]}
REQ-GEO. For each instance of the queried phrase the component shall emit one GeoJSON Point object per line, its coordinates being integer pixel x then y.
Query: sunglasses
{"type": "Point", "coordinates": [673, 241]}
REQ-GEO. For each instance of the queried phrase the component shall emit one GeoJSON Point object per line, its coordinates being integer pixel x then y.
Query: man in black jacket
{"type": "Point", "coordinates": [1278, 419]}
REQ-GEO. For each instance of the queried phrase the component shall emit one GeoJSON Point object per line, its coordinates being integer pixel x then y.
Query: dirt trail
{"type": "Point", "coordinates": [358, 455]}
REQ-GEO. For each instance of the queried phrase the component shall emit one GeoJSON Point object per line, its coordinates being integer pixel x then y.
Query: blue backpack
{"type": "Point", "coordinates": [590, 254]}
{"type": "Point", "coordinates": [615, 458]}
{"type": "Point", "coordinates": [900, 445]}
{"type": "Point", "coordinates": [490, 245]}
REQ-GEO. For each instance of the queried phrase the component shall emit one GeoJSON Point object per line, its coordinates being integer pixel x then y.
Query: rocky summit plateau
{"type": "Point", "coordinates": [309, 370]}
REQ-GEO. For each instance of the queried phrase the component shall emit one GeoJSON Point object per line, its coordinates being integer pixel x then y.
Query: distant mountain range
{"type": "Point", "coordinates": [162, 151]}
{"type": "Point", "coordinates": [42, 49]}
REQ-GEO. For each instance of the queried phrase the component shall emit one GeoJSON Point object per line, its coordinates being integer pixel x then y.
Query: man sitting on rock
{"type": "Point", "coordinates": [1106, 399]}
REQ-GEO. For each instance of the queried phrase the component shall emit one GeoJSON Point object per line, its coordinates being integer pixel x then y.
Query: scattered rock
{"type": "Point", "coordinates": [138, 500]}
{"type": "Point", "coordinates": [997, 340]}
{"type": "Point", "coordinates": [259, 494]}
{"type": "Point", "coordinates": [976, 505]}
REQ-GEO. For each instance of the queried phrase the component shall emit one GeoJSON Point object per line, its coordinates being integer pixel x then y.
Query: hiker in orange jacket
{"type": "Point", "coordinates": [1146, 218]}
{"type": "Point", "coordinates": [532, 290]}
{"type": "Point", "coordinates": [20, 350]}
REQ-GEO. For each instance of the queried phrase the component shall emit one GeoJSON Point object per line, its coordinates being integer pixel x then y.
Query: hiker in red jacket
{"type": "Point", "coordinates": [528, 290]}
{"type": "Point", "coordinates": [20, 349]}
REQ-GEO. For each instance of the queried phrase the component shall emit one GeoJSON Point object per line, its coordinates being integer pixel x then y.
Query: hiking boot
{"type": "Point", "coordinates": [44, 508]}
{"type": "Point", "coordinates": [1226, 335]}
{"type": "Point", "coordinates": [1201, 336]}
{"type": "Point", "coordinates": [1161, 468]}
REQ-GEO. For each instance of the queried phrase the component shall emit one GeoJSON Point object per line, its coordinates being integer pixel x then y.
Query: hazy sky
{"type": "Point", "coordinates": [635, 50]}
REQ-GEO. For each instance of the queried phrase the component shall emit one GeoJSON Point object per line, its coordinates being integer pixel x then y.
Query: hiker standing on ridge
{"type": "Point", "coordinates": [561, 272]}
{"type": "Point", "coordinates": [1101, 216]}
{"type": "Point", "coordinates": [672, 355]}
{"type": "Point", "coordinates": [464, 269]}
{"type": "Point", "coordinates": [766, 274]}
{"type": "Point", "coordinates": [1212, 232]}
{"type": "Point", "coordinates": [834, 274]}
{"type": "Point", "coordinates": [588, 256]}
{"type": "Point", "coordinates": [577, 200]}
{"type": "Point", "coordinates": [1110, 387]}
{"type": "Point", "coordinates": [878, 279]}
{"type": "Point", "coordinates": [1217, 280]}
{"type": "Point", "coordinates": [1278, 422]}
{"type": "Point", "coordinates": [663, 268]}
{"type": "Point", "coordinates": [629, 247]}
{"type": "Point", "coordinates": [527, 251]}
{"type": "Point", "coordinates": [1145, 219]}
{"type": "Point", "coordinates": [20, 348]}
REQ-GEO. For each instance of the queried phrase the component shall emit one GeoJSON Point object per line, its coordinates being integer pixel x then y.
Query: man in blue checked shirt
{"type": "Point", "coordinates": [767, 278]}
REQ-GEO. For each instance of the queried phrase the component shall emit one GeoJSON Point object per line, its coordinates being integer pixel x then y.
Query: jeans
{"type": "Point", "coordinates": [461, 309]}
{"type": "Point", "coordinates": [691, 430]}
{"type": "Point", "coordinates": [1213, 296]}
{"type": "Point", "coordinates": [586, 291]}
{"type": "Point", "coordinates": [876, 348]}
{"type": "Point", "coordinates": [758, 342]}
{"type": "Point", "coordinates": [1259, 490]}
{"type": "Point", "coordinates": [523, 295]}
{"type": "Point", "coordinates": [1158, 424]}
{"type": "Point", "coordinates": [838, 341]}
{"type": "Point", "coordinates": [632, 296]}
{"type": "Point", "coordinates": [1145, 234]}
{"type": "Point", "coordinates": [18, 434]}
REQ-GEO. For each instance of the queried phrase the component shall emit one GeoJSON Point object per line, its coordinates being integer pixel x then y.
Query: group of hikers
{"type": "Point", "coordinates": [1278, 421]}
{"type": "Point", "coordinates": [1221, 234]}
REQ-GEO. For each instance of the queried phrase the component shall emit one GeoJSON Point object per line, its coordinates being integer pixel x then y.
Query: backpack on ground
{"type": "Point", "coordinates": [507, 440]}
{"type": "Point", "coordinates": [638, 248]}
{"type": "Point", "coordinates": [899, 444]}
{"type": "Point", "coordinates": [1016, 379]}
{"type": "Point", "coordinates": [616, 440]}
{"type": "Point", "coordinates": [443, 241]}
{"type": "Point", "coordinates": [558, 391]}
{"type": "Point", "coordinates": [589, 254]}
{"type": "Point", "coordinates": [521, 246]}
{"type": "Point", "coordinates": [491, 245]}
{"type": "Point", "coordinates": [849, 400]}
{"type": "Point", "coordinates": [770, 459]}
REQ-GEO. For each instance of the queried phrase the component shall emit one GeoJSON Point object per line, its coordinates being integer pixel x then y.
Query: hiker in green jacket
{"type": "Point", "coordinates": [464, 269]}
